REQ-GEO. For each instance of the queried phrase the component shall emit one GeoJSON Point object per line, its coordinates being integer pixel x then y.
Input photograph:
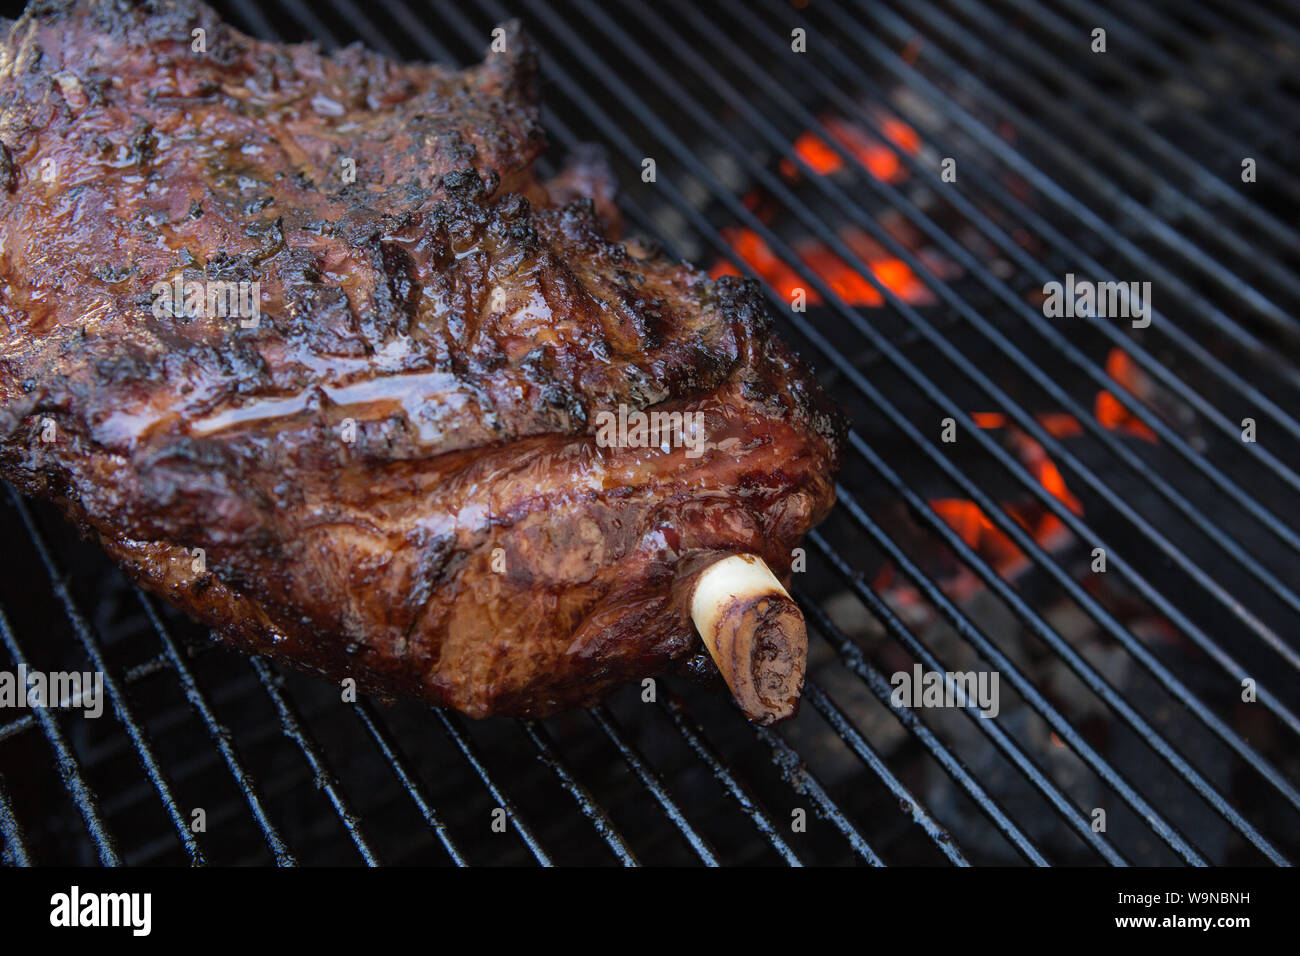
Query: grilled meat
{"type": "Point", "coordinates": [388, 463]}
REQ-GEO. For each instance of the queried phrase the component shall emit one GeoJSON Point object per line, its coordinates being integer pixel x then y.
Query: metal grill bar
{"type": "Point", "coordinates": [292, 725]}
{"type": "Point", "coordinates": [129, 677]}
{"type": "Point", "coordinates": [139, 740]}
{"type": "Point", "coordinates": [74, 782]}
{"type": "Point", "coordinates": [586, 803]}
{"type": "Point", "coordinates": [806, 784]}
{"type": "Point", "coordinates": [1059, 724]}
{"type": "Point", "coordinates": [1266, 21]}
{"type": "Point", "coordinates": [1067, 733]}
{"type": "Point", "coordinates": [1196, 256]}
{"type": "Point", "coordinates": [304, 14]}
{"type": "Point", "coordinates": [1085, 601]}
{"type": "Point", "coordinates": [121, 708]}
{"type": "Point", "coordinates": [393, 755]}
{"type": "Point", "coordinates": [1270, 138]}
{"type": "Point", "coordinates": [126, 799]}
{"type": "Point", "coordinates": [652, 782]}
{"type": "Point", "coordinates": [15, 844]}
{"type": "Point", "coordinates": [698, 741]}
{"type": "Point", "coordinates": [191, 767]}
{"type": "Point", "coordinates": [1219, 21]}
{"type": "Point", "coordinates": [1272, 23]}
{"type": "Point", "coordinates": [613, 82]}
{"type": "Point", "coordinates": [218, 733]}
{"type": "Point", "coordinates": [364, 27]}
{"type": "Point", "coordinates": [850, 735]}
{"type": "Point", "coordinates": [1162, 185]}
{"type": "Point", "coordinates": [470, 752]}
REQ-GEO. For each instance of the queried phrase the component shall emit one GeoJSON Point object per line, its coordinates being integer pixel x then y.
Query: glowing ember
{"type": "Point", "coordinates": [894, 274]}
{"type": "Point", "coordinates": [876, 157]}
{"type": "Point", "coordinates": [750, 246]}
{"type": "Point", "coordinates": [850, 287]}
{"type": "Point", "coordinates": [821, 159]}
{"type": "Point", "coordinates": [1045, 470]}
{"type": "Point", "coordinates": [902, 135]}
{"type": "Point", "coordinates": [975, 528]}
{"type": "Point", "coordinates": [1034, 456]}
{"type": "Point", "coordinates": [1108, 409]}
{"type": "Point", "coordinates": [1059, 424]}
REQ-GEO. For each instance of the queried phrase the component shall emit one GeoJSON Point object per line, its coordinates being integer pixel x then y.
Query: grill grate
{"type": "Point", "coordinates": [1122, 689]}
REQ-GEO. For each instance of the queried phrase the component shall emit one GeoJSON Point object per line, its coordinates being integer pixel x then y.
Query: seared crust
{"type": "Point", "coordinates": [469, 541]}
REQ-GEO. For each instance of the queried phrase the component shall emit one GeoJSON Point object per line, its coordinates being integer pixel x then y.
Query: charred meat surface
{"type": "Point", "coordinates": [316, 316]}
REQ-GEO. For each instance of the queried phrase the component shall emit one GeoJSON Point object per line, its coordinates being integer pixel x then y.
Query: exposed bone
{"type": "Point", "coordinates": [755, 634]}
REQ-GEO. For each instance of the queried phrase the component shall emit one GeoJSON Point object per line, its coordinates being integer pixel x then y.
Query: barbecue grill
{"type": "Point", "coordinates": [1100, 512]}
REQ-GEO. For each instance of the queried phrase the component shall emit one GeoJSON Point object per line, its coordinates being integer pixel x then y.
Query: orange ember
{"type": "Point", "coordinates": [1051, 478]}
{"type": "Point", "coordinates": [971, 524]}
{"type": "Point", "coordinates": [969, 521]}
{"type": "Point", "coordinates": [902, 135]}
{"type": "Point", "coordinates": [821, 159]}
{"type": "Point", "coordinates": [1125, 371]}
{"type": "Point", "coordinates": [894, 274]}
{"type": "Point", "coordinates": [1110, 412]}
{"type": "Point", "coordinates": [877, 158]}
{"type": "Point", "coordinates": [1034, 456]}
{"type": "Point", "coordinates": [850, 287]}
{"type": "Point", "coordinates": [751, 247]}
{"type": "Point", "coordinates": [1059, 424]}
